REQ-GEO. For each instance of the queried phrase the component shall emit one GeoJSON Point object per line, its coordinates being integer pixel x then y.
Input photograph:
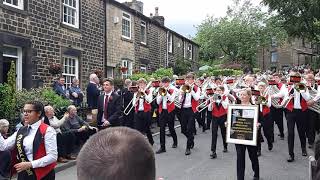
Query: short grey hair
{"type": "Point", "coordinates": [4, 123]}
{"type": "Point", "coordinates": [74, 80]}
{"type": "Point", "coordinates": [48, 108]}
{"type": "Point", "coordinates": [92, 77]}
{"type": "Point", "coordinates": [71, 107]}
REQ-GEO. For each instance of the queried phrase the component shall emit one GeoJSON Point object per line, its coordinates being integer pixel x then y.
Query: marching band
{"type": "Point", "coordinates": [205, 100]}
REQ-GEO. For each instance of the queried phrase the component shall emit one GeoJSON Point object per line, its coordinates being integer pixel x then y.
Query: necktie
{"type": "Point", "coordinates": [105, 112]}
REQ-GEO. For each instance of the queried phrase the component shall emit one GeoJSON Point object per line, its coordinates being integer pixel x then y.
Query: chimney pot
{"type": "Point", "coordinates": [156, 11]}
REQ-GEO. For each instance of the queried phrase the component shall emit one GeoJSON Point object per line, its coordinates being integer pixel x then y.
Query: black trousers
{"type": "Point", "coordinates": [65, 143]}
{"type": "Point", "coordinates": [82, 137]}
{"type": "Point", "coordinates": [167, 118]}
{"type": "Point", "coordinates": [142, 121]}
{"type": "Point", "coordinates": [201, 121]}
{"type": "Point", "coordinates": [187, 125]}
{"type": "Point", "coordinates": [241, 160]}
{"type": "Point", "coordinates": [218, 122]}
{"type": "Point", "coordinates": [313, 117]}
{"type": "Point", "coordinates": [277, 117]}
{"type": "Point", "coordinates": [128, 121]}
{"type": "Point", "coordinates": [209, 119]}
{"type": "Point", "coordinates": [267, 127]}
{"type": "Point", "coordinates": [298, 117]}
{"type": "Point", "coordinates": [5, 157]}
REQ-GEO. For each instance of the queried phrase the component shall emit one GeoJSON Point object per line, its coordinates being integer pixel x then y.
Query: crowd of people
{"type": "Point", "coordinates": [190, 100]}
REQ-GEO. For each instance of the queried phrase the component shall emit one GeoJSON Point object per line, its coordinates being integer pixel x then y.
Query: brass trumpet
{"type": "Point", "coordinates": [163, 91]}
{"type": "Point", "coordinates": [187, 88]}
{"type": "Point", "coordinates": [300, 87]}
{"type": "Point", "coordinates": [262, 100]}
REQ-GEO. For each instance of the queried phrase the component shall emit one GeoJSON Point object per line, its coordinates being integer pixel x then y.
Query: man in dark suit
{"type": "Point", "coordinates": [109, 106]}
{"type": "Point", "coordinates": [59, 88]}
{"type": "Point", "coordinates": [93, 92]}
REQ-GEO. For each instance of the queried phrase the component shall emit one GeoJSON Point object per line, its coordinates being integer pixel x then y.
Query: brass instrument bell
{"type": "Point", "coordinates": [163, 91]}
{"type": "Point", "coordinates": [186, 88]}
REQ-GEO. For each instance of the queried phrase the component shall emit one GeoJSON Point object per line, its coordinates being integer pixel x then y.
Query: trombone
{"type": "Point", "coordinates": [140, 94]}
{"type": "Point", "coordinates": [205, 104]}
{"type": "Point", "coordinates": [187, 88]}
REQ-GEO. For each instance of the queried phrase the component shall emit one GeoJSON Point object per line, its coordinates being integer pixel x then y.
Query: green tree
{"type": "Point", "coordinates": [300, 18]}
{"type": "Point", "coordinates": [238, 36]}
{"type": "Point", "coordinates": [181, 67]}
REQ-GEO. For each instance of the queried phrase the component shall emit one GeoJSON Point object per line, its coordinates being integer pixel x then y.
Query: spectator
{"type": "Point", "coordinates": [74, 124]}
{"type": "Point", "coordinates": [5, 156]}
{"type": "Point", "coordinates": [75, 93]}
{"type": "Point", "coordinates": [65, 140]}
{"type": "Point", "coordinates": [116, 153]}
{"type": "Point", "coordinates": [93, 92]}
{"type": "Point", "coordinates": [59, 87]}
{"type": "Point", "coordinates": [21, 123]}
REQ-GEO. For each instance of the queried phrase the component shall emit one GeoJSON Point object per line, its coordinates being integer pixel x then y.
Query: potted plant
{"type": "Point", "coordinates": [123, 69]}
{"type": "Point", "coordinates": [55, 68]}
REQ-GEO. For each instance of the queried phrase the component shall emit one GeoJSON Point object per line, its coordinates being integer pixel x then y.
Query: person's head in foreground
{"type": "Point", "coordinates": [116, 154]}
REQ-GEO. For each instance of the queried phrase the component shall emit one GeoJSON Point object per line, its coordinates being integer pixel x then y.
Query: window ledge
{"type": "Point", "coordinates": [70, 27]}
{"type": "Point", "coordinates": [126, 39]}
{"type": "Point", "coordinates": [13, 9]}
{"type": "Point", "coordinates": [144, 44]}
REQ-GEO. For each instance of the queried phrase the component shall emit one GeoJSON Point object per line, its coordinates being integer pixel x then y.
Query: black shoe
{"type": "Point", "coordinates": [304, 152]}
{"type": "Point", "coordinates": [310, 146]}
{"type": "Point", "coordinates": [213, 155]}
{"type": "Point", "coordinates": [192, 145]}
{"type": "Point", "coordinates": [188, 152]}
{"type": "Point", "coordinates": [290, 159]}
{"type": "Point", "coordinates": [259, 153]}
{"type": "Point", "coordinates": [161, 150]}
{"type": "Point", "coordinates": [225, 150]}
{"type": "Point", "coordinates": [256, 178]}
{"type": "Point", "coordinates": [270, 146]}
{"type": "Point", "coordinates": [174, 145]}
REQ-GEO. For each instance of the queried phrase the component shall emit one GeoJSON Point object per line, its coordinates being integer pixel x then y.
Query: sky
{"type": "Point", "coordinates": [183, 16]}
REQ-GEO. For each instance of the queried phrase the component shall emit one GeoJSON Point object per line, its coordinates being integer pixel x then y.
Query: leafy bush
{"type": "Point", "coordinates": [220, 72]}
{"type": "Point", "coordinates": [137, 76]}
{"type": "Point", "coordinates": [7, 103]}
{"type": "Point", "coordinates": [46, 96]}
{"type": "Point", "coordinates": [160, 73]}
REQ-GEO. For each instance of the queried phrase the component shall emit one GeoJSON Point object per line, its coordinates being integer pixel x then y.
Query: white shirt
{"type": "Point", "coordinates": [164, 99]}
{"type": "Point", "coordinates": [187, 102]}
{"type": "Point", "coordinates": [224, 103]}
{"type": "Point", "coordinates": [284, 93]}
{"type": "Point", "coordinates": [50, 142]}
{"type": "Point", "coordinates": [148, 98]}
{"type": "Point", "coordinates": [56, 123]}
{"type": "Point", "coordinates": [104, 99]}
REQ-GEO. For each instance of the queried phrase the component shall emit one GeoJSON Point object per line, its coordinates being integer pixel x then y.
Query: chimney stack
{"type": "Point", "coordinates": [156, 11]}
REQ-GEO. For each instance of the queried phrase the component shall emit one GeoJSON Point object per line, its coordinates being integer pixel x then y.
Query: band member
{"type": "Point", "coordinates": [109, 106]}
{"type": "Point", "coordinates": [201, 116]}
{"type": "Point", "coordinates": [313, 116]}
{"type": "Point", "coordinates": [295, 102]}
{"type": "Point", "coordinates": [142, 103]}
{"type": "Point", "coordinates": [35, 144]}
{"type": "Point", "coordinates": [245, 98]}
{"type": "Point", "coordinates": [277, 112]}
{"type": "Point", "coordinates": [264, 102]}
{"type": "Point", "coordinates": [189, 98]}
{"type": "Point", "coordinates": [218, 106]}
{"type": "Point", "coordinates": [127, 96]}
{"type": "Point", "coordinates": [165, 100]}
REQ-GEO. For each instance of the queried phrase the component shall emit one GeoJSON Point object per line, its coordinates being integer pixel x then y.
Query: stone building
{"type": "Point", "coordinates": [292, 53]}
{"type": "Point", "coordinates": [142, 43]}
{"type": "Point", "coordinates": [35, 33]}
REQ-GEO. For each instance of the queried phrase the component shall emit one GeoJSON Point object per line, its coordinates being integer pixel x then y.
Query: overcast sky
{"type": "Point", "coordinates": [183, 15]}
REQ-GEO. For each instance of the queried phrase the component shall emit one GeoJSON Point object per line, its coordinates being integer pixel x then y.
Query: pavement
{"type": "Point", "coordinates": [174, 165]}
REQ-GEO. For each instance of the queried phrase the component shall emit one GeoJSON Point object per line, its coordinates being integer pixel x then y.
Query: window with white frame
{"type": "Point", "coordinates": [14, 3]}
{"type": "Point", "coordinates": [12, 54]}
{"type": "Point", "coordinates": [170, 44]}
{"type": "Point", "coordinates": [274, 56]}
{"type": "Point", "coordinates": [70, 69]}
{"type": "Point", "coordinates": [126, 25]}
{"type": "Point", "coordinates": [71, 13]}
{"type": "Point", "coordinates": [143, 32]}
{"type": "Point", "coordinates": [190, 51]}
{"type": "Point", "coordinates": [143, 68]}
{"type": "Point", "coordinates": [128, 65]}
